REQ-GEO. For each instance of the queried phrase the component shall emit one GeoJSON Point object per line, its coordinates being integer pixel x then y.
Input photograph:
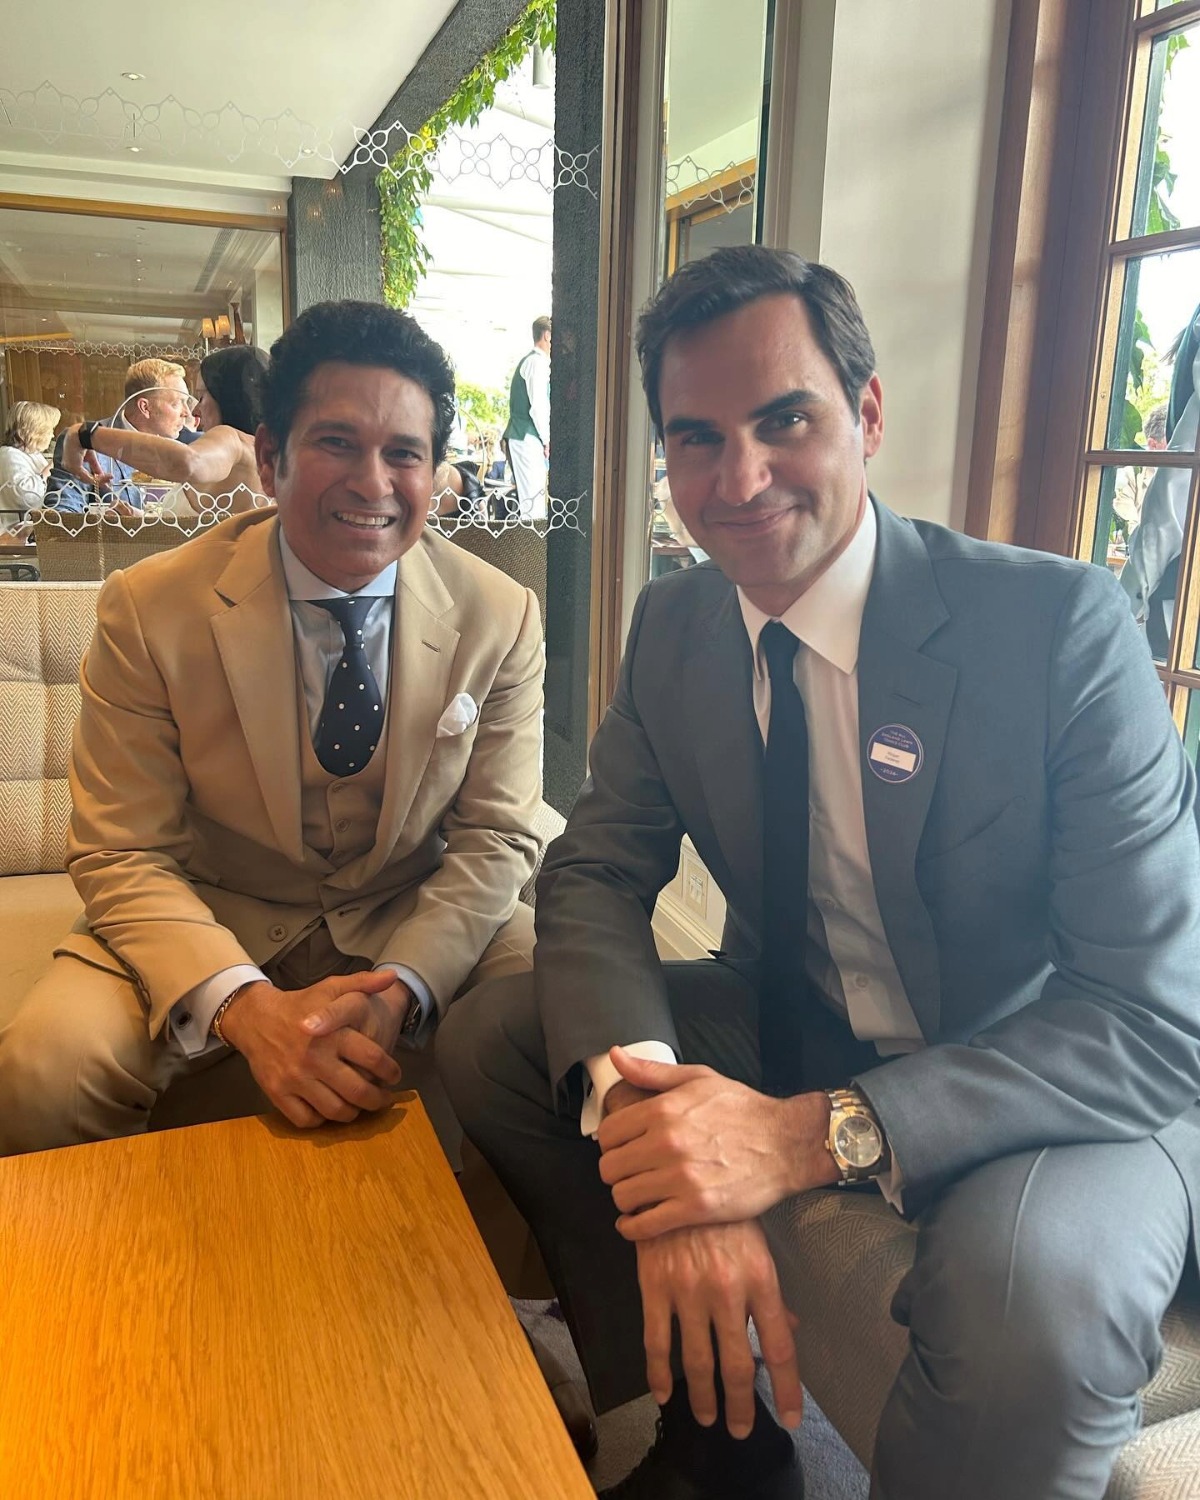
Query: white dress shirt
{"type": "Point", "coordinates": [319, 644]}
{"type": "Point", "coordinates": [848, 957]}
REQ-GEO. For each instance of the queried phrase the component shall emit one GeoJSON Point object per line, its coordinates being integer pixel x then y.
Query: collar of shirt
{"type": "Point", "coordinates": [828, 616]}
{"type": "Point", "coordinates": [303, 584]}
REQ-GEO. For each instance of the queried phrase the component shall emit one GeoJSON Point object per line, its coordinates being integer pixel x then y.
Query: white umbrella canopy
{"type": "Point", "coordinates": [488, 224]}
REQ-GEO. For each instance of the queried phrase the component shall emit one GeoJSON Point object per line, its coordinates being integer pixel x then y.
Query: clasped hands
{"type": "Point", "coordinates": [693, 1159]}
{"type": "Point", "coordinates": [325, 1052]}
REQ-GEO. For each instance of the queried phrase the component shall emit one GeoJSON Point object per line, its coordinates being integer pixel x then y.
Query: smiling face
{"type": "Point", "coordinates": [353, 484]}
{"type": "Point", "coordinates": [765, 457]}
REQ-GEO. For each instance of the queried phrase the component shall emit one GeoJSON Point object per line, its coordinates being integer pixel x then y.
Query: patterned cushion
{"type": "Point", "coordinates": [841, 1257]}
{"type": "Point", "coordinates": [549, 824]}
{"type": "Point", "coordinates": [69, 549]}
{"type": "Point", "coordinates": [44, 631]}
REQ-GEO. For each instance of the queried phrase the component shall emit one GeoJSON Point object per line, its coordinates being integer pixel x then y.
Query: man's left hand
{"type": "Point", "coordinates": [379, 1017]}
{"type": "Point", "coordinates": [707, 1150]}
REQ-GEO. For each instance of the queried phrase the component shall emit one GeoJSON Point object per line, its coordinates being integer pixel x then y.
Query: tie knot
{"type": "Point", "coordinates": [779, 647]}
{"type": "Point", "coordinates": [350, 612]}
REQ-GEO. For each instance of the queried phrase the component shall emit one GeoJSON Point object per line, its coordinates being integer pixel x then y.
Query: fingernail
{"type": "Point", "coordinates": [310, 1023]}
{"type": "Point", "coordinates": [791, 1418]}
{"type": "Point", "coordinates": [740, 1430]}
{"type": "Point", "coordinates": [661, 1397]}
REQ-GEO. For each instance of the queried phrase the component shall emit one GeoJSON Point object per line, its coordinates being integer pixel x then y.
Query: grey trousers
{"type": "Point", "coordinates": [1033, 1303]}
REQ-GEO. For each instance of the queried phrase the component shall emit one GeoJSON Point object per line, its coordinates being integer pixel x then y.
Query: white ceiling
{"type": "Point", "coordinates": [714, 78]}
{"type": "Point", "coordinates": [111, 280]}
{"type": "Point", "coordinates": [230, 89]}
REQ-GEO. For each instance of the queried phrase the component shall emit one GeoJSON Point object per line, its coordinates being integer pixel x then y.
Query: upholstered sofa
{"type": "Point", "coordinates": [842, 1269]}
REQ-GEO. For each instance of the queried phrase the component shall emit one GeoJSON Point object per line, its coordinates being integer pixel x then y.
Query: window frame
{"type": "Point", "coordinates": [1071, 136]}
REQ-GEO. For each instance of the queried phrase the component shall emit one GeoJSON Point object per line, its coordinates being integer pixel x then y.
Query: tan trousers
{"type": "Point", "coordinates": [77, 1064]}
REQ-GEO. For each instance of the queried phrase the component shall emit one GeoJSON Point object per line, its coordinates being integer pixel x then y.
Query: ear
{"type": "Point", "coordinates": [870, 416]}
{"type": "Point", "coordinates": [269, 458]}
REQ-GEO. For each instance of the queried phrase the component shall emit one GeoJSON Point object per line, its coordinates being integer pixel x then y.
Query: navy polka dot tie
{"type": "Point", "coordinates": [352, 718]}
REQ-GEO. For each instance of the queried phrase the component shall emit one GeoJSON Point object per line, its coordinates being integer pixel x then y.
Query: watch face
{"type": "Point", "coordinates": [858, 1141]}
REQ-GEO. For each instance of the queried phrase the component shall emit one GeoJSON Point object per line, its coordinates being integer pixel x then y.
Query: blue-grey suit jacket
{"type": "Point", "coordinates": [1038, 879]}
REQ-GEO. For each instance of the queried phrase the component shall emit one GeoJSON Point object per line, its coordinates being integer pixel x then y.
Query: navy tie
{"type": "Point", "coordinates": [784, 990]}
{"type": "Point", "coordinates": [352, 718]}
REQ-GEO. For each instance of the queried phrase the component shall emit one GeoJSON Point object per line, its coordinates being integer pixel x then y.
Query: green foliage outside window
{"type": "Point", "coordinates": [405, 255]}
{"type": "Point", "coordinates": [481, 408]}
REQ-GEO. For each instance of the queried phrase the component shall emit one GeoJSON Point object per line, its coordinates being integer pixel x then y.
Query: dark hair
{"type": "Point", "coordinates": [233, 377]}
{"type": "Point", "coordinates": [541, 326]}
{"type": "Point", "coordinates": [356, 333]}
{"type": "Point", "coordinates": [703, 290]}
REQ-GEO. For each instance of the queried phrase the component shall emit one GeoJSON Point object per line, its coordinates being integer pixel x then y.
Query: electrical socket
{"type": "Point", "coordinates": [695, 885]}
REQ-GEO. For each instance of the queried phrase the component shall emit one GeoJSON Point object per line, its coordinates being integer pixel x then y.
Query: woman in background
{"type": "Point", "coordinates": [23, 462]}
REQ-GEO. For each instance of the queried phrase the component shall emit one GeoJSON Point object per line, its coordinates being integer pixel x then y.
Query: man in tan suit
{"type": "Point", "coordinates": [304, 777]}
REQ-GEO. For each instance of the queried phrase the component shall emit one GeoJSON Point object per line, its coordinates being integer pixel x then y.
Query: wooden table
{"type": "Point", "coordinates": [245, 1311]}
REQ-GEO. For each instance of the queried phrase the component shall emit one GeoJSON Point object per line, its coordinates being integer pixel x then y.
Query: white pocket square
{"type": "Point", "coordinates": [459, 716]}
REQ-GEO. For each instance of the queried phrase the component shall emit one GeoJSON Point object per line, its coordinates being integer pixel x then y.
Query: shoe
{"type": "Point", "coordinates": [657, 1478]}
{"type": "Point", "coordinates": [570, 1399]}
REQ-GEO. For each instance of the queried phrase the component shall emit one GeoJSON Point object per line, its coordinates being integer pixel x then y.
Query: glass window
{"type": "Point", "coordinates": [1138, 518]}
{"type": "Point", "coordinates": [1191, 728]}
{"type": "Point", "coordinates": [1167, 187]}
{"type": "Point", "coordinates": [1158, 306]}
{"type": "Point", "coordinates": [713, 123]}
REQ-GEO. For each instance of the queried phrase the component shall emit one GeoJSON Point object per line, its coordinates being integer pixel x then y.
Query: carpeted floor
{"type": "Point", "coordinates": [831, 1472]}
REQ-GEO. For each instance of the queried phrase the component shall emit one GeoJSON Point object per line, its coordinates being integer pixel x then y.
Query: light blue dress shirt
{"type": "Point", "coordinates": [319, 643]}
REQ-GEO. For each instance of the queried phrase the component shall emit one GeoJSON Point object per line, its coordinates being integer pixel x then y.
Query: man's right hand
{"type": "Point", "coordinates": [309, 1078]}
{"type": "Point", "coordinates": [711, 1280]}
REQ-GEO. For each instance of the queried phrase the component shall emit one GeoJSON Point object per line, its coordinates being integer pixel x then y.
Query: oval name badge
{"type": "Point", "coordinates": [894, 753]}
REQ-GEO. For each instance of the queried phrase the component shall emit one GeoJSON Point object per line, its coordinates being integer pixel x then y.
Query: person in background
{"type": "Point", "coordinates": [157, 402]}
{"type": "Point", "coordinates": [219, 467]}
{"type": "Point", "coordinates": [24, 466]}
{"type": "Point", "coordinates": [1151, 574]}
{"type": "Point", "coordinates": [528, 432]}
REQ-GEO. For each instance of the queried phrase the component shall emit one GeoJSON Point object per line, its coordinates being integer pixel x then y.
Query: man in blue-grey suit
{"type": "Point", "coordinates": [939, 785]}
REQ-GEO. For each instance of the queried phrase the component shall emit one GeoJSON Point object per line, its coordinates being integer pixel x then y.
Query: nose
{"type": "Point", "coordinates": [743, 472]}
{"type": "Point", "coordinates": [371, 479]}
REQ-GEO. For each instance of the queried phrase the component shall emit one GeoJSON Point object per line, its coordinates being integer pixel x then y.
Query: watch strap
{"type": "Point", "coordinates": [87, 431]}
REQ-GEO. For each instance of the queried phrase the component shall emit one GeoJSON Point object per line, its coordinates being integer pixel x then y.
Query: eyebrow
{"type": "Point", "coordinates": [772, 408]}
{"type": "Point", "coordinates": [408, 439]}
{"type": "Point", "coordinates": [785, 403]}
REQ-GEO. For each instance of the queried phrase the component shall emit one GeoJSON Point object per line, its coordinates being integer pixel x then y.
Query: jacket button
{"type": "Point", "coordinates": [277, 933]}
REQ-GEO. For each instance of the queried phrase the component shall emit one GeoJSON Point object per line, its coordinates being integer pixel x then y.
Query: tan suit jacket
{"type": "Point", "coordinates": [186, 844]}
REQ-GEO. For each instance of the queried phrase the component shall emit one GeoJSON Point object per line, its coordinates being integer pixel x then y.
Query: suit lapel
{"type": "Point", "coordinates": [422, 658]}
{"type": "Point", "coordinates": [897, 684]}
{"type": "Point", "coordinates": [253, 637]}
{"type": "Point", "coordinates": [719, 685]}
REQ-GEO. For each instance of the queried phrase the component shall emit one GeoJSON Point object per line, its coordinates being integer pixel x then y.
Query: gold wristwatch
{"type": "Point", "coordinates": [856, 1140]}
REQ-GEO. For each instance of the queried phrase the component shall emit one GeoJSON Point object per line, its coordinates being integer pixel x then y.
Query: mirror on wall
{"type": "Point", "coordinates": [82, 297]}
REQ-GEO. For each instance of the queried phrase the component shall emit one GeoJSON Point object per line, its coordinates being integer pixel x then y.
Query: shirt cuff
{"type": "Point", "coordinates": [602, 1074]}
{"type": "Point", "coordinates": [422, 998]}
{"type": "Point", "coordinates": [891, 1185]}
{"type": "Point", "coordinates": [191, 1017]}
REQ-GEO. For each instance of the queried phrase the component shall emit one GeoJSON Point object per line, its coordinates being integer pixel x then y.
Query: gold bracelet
{"type": "Point", "coordinates": [215, 1027]}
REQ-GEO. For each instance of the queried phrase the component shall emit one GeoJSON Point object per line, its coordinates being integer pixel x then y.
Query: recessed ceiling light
{"type": "Point", "coordinates": [134, 149]}
{"type": "Point", "coordinates": [136, 77]}
{"type": "Point", "coordinates": [307, 151]}
{"type": "Point", "coordinates": [138, 260]}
